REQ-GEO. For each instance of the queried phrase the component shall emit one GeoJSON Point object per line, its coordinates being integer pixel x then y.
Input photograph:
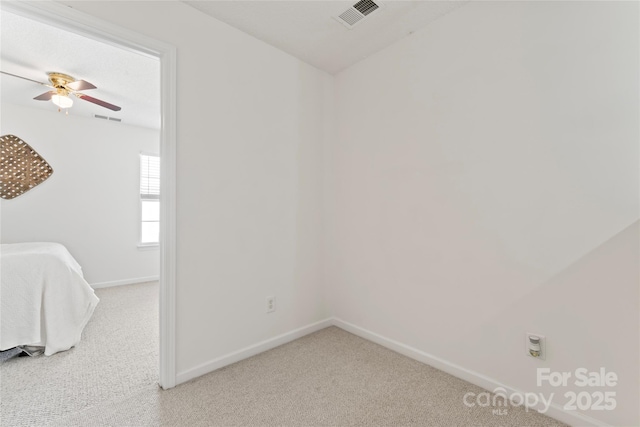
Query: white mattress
{"type": "Point", "coordinates": [44, 298]}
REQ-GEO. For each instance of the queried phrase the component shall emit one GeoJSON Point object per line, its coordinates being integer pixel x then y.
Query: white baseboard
{"type": "Point", "coordinates": [490, 384]}
{"type": "Point", "coordinates": [555, 411]}
{"type": "Point", "coordinates": [124, 282]}
{"type": "Point", "coordinates": [252, 350]}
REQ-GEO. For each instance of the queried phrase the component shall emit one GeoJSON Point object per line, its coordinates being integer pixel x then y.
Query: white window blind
{"type": "Point", "coordinates": [149, 177]}
{"type": "Point", "coordinates": [149, 199]}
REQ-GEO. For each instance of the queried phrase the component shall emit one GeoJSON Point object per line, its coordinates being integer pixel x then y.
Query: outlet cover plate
{"type": "Point", "coordinates": [543, 345]}
{"type": "Point", "coordinates": [271, 304]}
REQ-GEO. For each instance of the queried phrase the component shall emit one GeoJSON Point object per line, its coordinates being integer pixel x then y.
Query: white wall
{"type": "Point", "coordinates": [484, 184]}
{"type": "Point", "coordinates": [91, 202]}
{"type": "Point", "coordinates": [249, 180]}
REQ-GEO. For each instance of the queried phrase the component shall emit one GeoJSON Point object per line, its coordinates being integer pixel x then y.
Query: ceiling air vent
{"type": "Point", "coordinates": [113, 119]}
{"type": "Point", "coordinates": [356, 13]}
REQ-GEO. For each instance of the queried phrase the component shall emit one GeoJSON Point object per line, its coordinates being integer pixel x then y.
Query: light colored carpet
{"type": "Point", "coordinates": [117, 356]}
{"type": "Point", "coordinates": [329, 378]}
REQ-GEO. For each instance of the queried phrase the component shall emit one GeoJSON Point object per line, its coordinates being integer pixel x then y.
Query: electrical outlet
{"type": "Point", "coordinates": [536, 346]}
{"type": "Point", "coordinates": [271, 304]}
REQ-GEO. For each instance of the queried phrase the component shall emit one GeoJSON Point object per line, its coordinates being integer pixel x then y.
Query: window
{"type": "Point", "coordinates": [149, 199]}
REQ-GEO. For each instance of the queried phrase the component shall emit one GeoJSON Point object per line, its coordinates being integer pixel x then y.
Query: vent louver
{"type": "Point", "coordinates": [350, 16]}
{"type": "Point", "coordinates": [113, 119]}
{"type": "Point", "coordinates": [365, 7]}
{"type": "Point", "coordinates": [356, 13]}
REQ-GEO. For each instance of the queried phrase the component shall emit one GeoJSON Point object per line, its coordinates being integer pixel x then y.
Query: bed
{"type": "Point", "coordinates": [44, 298]}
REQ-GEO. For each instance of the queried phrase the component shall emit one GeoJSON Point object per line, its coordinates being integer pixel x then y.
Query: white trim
{"type": "Point", "coordinates": [149, 153]}
{"type": "Point", "coordinates": [252, 350]}
{"type": "Point", "coordinates": [555, 411]}
{"type": "Point", "coordinates": [148, 246]}
{"type": "Point", "coordinates": [168, 239]}
{"type": "Point", "coordinates": [123, 282]}
{"type": "Point", "coordinates": [68, 19]}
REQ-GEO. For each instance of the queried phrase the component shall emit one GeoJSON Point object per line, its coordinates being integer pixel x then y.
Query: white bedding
{"type": "Point", "coordinates": [44, 298]}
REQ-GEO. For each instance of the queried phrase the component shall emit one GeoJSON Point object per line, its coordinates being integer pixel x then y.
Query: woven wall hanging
{"type": "Point", "coordinates": [21, 167]}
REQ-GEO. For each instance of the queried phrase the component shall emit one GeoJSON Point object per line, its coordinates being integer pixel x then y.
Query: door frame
{"type": "Point", "coordinates": [68, 19]}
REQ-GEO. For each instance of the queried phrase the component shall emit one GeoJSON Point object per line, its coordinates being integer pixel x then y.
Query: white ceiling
{"type": "Point", "coordinates": [306, 29]}
{"type": "Point", "coordinates": [302, 28]}
{"type": "Point", "coordinates": [31, 49]}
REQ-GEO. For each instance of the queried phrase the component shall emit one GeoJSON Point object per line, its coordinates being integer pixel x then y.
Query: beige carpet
{"type": "Point", "coordinates": [117, 356]}
{"type": "Point", "coordinates": [330, 378]}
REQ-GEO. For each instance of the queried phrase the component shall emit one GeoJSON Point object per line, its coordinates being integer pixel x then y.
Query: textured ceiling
{"type": "Point", "coordinates": [31, 49]}
{"type": "Point", "coordinates": [306, 29]}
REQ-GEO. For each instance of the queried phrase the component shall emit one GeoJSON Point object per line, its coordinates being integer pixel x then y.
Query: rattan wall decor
{"type": "Point", "coordinates": [21, 167]}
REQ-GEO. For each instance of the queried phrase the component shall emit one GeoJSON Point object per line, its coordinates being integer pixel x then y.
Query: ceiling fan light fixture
{"type": "Point", "coordinates": [63, 85]}
{"type": "Point", "coordinates": [62, 101]}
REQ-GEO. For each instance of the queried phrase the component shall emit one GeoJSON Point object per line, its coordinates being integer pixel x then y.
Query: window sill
{"type": "Point", "coordinates": [148, 246]}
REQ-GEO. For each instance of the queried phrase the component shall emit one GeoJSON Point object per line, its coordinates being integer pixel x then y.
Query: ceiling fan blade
{"type": "Point", "coordinates": [80, 85]}
{"type": "Point", "coordinates": [98, 102]}
{"type": "Point", "coordinates": [24, 78]}
{"type": "Point", "coordinates": [45, 96]}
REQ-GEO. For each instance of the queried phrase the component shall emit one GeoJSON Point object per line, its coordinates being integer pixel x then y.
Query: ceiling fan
{"type": "Point", "coordinates": [64, 85]}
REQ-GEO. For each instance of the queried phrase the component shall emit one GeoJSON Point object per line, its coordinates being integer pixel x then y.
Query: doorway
{"type": "Point", "coordinates": [73, 21]}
